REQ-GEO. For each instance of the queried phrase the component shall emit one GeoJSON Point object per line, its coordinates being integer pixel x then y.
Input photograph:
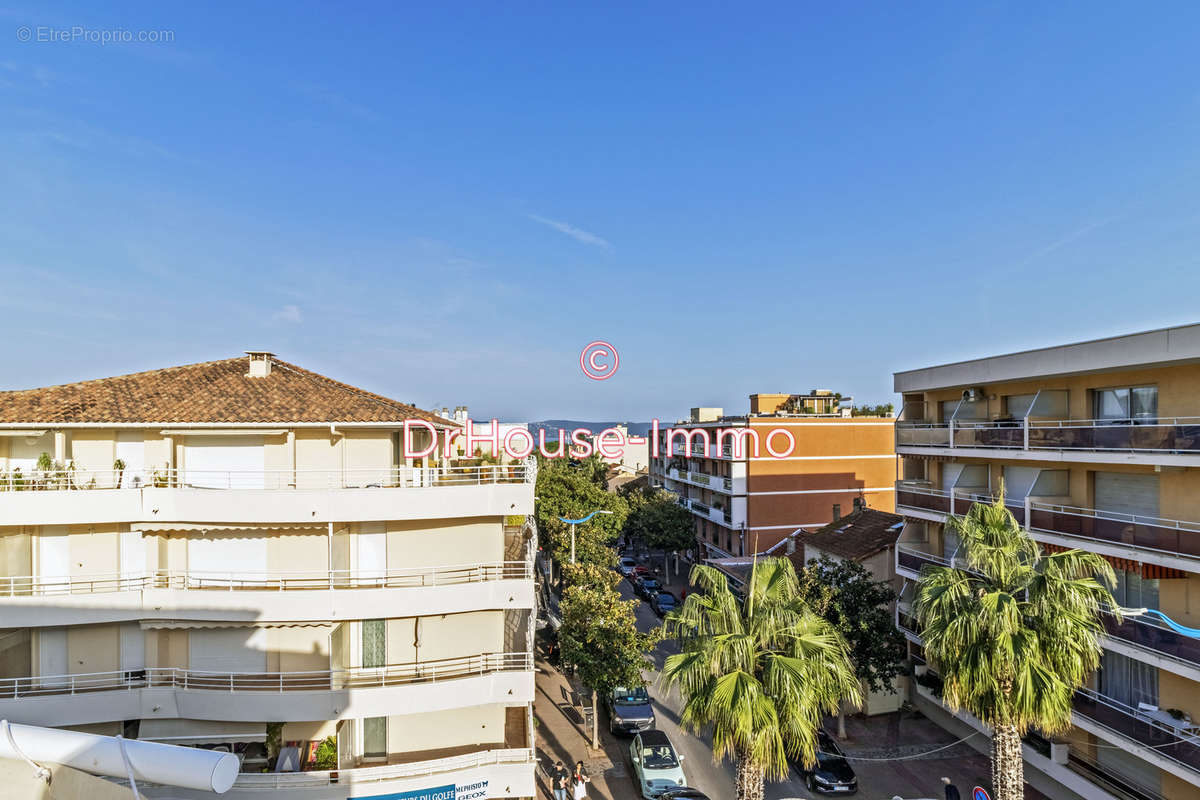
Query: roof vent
{"type": "Point", "coordinates": [260, 363]}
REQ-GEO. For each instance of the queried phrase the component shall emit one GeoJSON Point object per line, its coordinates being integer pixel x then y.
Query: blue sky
{"type": "Point", "coordinates": [444, 203]}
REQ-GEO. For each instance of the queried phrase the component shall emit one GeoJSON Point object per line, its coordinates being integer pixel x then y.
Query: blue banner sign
{"type": "Point", "coordinates": [476, 790]}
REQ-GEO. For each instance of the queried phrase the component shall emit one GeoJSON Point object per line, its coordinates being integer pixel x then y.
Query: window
{"type": "Point", "coordinates": [1128, 681]}
{"type": "Point", "coordinates": [1137, 403]}
{"type": "Point", "coordinates": [374, 643]}
{"type": "Point", "coordinates": [375, 737]}
{"type": "Point", "coordinates": [1134, 591]}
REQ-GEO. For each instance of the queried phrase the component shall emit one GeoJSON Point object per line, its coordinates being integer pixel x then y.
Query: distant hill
{"type": "Point", "coordinates": [552, 426]}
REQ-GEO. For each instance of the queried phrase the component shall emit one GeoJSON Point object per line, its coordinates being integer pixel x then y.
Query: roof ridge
{"type": "Point", "coordinates": [89, 381]}
{"type": "Point", "coordinates": [308, 374]}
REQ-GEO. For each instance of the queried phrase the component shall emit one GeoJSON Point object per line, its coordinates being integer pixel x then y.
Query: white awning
{"type": "Point", "coordinates": [195, 731]}
{"type": "Point", "coordinates": [205, 527]}
{"type": "Point", "coordinates": [223, 432]}
{"type": "Point", "coordinates": [187, 624]}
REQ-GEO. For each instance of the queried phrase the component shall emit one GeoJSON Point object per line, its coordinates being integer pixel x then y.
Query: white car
{"type": "Point", "coordinates": [656, 765]}
{"type": "Point", "coordinates": [626, 566]}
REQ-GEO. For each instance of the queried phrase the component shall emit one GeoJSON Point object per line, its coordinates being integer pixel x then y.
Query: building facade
{"type": "Point", "coordinates": [814, 462]}
{"type": "Point", "coordinates": [1098, 447]}
{"type": "Point", "coordinates": [239, 555]}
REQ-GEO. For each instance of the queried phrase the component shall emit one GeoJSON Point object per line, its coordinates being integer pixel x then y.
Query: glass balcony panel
{"type": "Point", "coordinates": [1165, 535]}
{"type": "Point", "coordinates": [1154, 637]}
{"type": "Point", "coordinates": [1127, 722]}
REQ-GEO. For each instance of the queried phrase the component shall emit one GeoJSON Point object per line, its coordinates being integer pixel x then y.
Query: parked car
{"type": "Point", "coordinates": [664, 603]}
{"type": "Point", "coordinates": [635, 573]}
{"type": "Point", "coordinates": [656, 766]}
{"type": "Point", "coordinates": [629, 710]}
{"type": "Point", "coordinates": [683, 793]}
{"type": "Point", "coordinates": [626, 565]}
{"type": "Point", "coordinates": [831, 774]}
{"type": "Point", "coordinates": [647, 586]}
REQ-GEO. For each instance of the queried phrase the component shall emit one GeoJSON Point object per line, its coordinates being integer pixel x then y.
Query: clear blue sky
{"type": "Point", "coordinates": [444, 203]}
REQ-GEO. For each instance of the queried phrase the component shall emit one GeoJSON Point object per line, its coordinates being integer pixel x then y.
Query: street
{"type": "Point", "coordinates": [883, 750]}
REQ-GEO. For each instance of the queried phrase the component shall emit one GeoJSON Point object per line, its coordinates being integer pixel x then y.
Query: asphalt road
{"type": "Point", "coordinates": [715, 780]}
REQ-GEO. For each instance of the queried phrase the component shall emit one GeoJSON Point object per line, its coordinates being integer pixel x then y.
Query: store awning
{"type": "Point", "coordinates": [217, 527]}
{"type": "Point", "coordinates": [187, 624]}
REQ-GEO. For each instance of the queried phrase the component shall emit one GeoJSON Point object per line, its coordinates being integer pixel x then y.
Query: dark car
{"type": "Point", "coordinates": [832, 773]}
{"type": "Point", "coordinates": [647, 586]}
{"type": "Point", "coordinates": [629, 710]}
{"type": "Point", "coordinates": [683, 793]}
{"type": "Point", "coordinates": [664, 603]}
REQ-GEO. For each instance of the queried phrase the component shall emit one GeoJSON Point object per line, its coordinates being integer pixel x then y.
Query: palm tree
{"type": "Point", "coordinates": [1014, 633]}
{"type": "Point", "coordinates": [761, 672]}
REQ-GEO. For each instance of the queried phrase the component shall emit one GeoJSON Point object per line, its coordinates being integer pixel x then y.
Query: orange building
{"type": "Point", "coordinates": [813, 463]}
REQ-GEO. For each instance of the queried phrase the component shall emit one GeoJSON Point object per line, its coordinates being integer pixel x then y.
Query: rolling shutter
{"type": "Point", "coordinates": [227, 649]}
{"type": "Point", "coordinates": [224, 462]}
{"type": "Point", "coordinates": [212, 556]}
{"type": "Point", "coordinates": [1127, 493]}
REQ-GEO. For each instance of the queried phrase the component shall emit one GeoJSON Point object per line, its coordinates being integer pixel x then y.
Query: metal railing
{"type": "Point", "coordinates": [76, 478]}
{"type": "Point", "coordinates": [921, 494]}
{"type": "Point", "coordinates": [1154, 435]}
{"type": "Point", "coordinates": [1128, 723]}
{"type": "Point", "coordinates": [237, 580]}
{"type": "Point", "coordinates": [1148, 634]}
{"type": "Point", "coordinates": [310, 681]}
{"type": "Point", "coordinates": [1176, 537]}
{"type": "Point", "coordinates": [912, 559]}
{"type": "Point", "coordinates": [357, 775]}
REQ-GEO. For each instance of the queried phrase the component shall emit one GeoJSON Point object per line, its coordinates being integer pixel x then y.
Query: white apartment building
{"type": "Point", "coordinates": [238, 555]}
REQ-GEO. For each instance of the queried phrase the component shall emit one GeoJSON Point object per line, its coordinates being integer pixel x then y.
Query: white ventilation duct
{"type": "Point", "coordinates": [165, 764]}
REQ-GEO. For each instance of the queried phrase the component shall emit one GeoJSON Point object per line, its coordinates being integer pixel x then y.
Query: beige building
{"type": "Point", "coordinates": [1098, 447]}
{"type": "Point", "coordinates": [239, 554]}
{"type": "Point", "coordinates": [814, 464]}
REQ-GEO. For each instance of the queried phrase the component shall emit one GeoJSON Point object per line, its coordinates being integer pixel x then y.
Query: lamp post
{"type": "Point", "coordinates": [575, 522]}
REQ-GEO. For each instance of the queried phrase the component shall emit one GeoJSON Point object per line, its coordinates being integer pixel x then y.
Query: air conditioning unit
{"type": "Point", "coordinates": [973, 395]}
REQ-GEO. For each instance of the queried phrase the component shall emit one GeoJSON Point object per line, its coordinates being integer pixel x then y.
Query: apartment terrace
{"type": "Point", "coordinates": [252, 696]}
{"type": "Point", "coordinates": [283, 496]}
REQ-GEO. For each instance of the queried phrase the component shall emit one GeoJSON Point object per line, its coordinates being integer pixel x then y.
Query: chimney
{"type": "Point", "coordinates": [790, 547]}
{"type": "Point", "coordinates": [260, 363]}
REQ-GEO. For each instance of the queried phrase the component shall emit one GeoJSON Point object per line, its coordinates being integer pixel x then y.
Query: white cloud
{"type": "Point", "coordinates": [290, 314]}
{"type": "Point", "coordinates": [570, 230]}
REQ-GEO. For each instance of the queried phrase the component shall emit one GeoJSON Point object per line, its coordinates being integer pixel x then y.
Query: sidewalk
{"type": "Point", "coordinates": [562, 734]}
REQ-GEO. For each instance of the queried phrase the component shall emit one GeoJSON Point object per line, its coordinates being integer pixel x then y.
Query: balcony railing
{"type": "Point", "coordinates": [300, 780]}
{"type": "Point", "coordinates": [919, 494]}
{"type": "Point", "coordinates": [240, 581]}
{"type": "Point", "coordinates": [1131, 724]}
{"type": "Point", "coordinates": [913, 560]}
{"type": "Point", "coordinates": [1152, 533]}
{"type": "Point", "coordinates": [381, 478]}
{"type": "Point", "coordinates": [1148, 635]}
{"type": "Point", "coordinates": [318, 680]}
{"type": "Point", "coordinates": [1158, 435]}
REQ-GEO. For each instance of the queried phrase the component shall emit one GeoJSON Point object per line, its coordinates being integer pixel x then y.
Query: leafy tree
{"type": "Point", "coordinates": [761, 673]}
{"type": "Point", "coordinates": [657, 519]}
{"type": "Point", "coordinates": [599, 637]}
{"type": "Point", "coordinates": [1014, 634]}
{"type": "Point", "coordinates": [564, 491]}
{"type": "Point", "coordinates": [858, 607]}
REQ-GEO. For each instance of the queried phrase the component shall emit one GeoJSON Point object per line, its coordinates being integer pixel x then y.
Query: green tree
{"type": "Point", "coordinates": [599, 637]}
{"type": "Point", "coordinates": [858, 607]}
{"type": "Point", "coordinates": [657, 519]}
{"type": "Point", "coordinates": [1014, 634]}
{"type": "Point", "coordinates": [761, 673]}
{"type": "Point", "coordinates": [565, 491]}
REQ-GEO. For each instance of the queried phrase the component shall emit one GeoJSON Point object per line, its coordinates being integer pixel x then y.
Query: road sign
{"type": "Point", "coordinates": [979, 793]}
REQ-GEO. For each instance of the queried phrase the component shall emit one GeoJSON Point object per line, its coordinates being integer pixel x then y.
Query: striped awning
{"type": "Point", "coordinates": [216, 527]}
{"type": "Point", "coordinates": [1129, 565]}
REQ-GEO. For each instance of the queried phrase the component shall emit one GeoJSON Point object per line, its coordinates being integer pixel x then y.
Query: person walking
{"type": "Point", "coordinates": [580, 781]}
{"type": "Point", "coordinates": [558, 780]}
{"type": "Point", "coordinates": [951, 790]}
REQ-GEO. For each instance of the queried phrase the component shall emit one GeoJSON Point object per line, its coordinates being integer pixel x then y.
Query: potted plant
{"type": "Point", "coordinates": [119, 468]}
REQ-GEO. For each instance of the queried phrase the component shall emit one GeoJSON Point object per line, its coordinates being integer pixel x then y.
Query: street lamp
{"type": "Point", "coordinates": [575, 522]}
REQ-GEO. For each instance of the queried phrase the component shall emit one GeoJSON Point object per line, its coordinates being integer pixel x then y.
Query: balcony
{"type": "Point", "coordinates": [510, 771]}
{"type": "Point", "coordinates": [920, 499]}
{"type": "Point", "coordinates": [1174, 440]}
{"type": "Point", "coordinates": [1168, 747]}
{"type": "Point", "coordinates": [1146, 635]}
{"type": "Point", "coordinates": [164, 693]}
{"type": "Point", "coordinates": [274, 597]}
{"type": "Point", "coordinates": [909, 561]}
{"type": "Point", "coordinates": [73, 496]}
{"type": "Point", "coordinates": [1167, 536]}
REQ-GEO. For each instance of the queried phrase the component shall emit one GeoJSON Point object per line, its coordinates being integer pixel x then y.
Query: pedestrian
{"type": "Point", "coordinates": [951, 790]}
{"type": "Point", "coordinates": [558, 779]}
{"type": "Point", "coordinates": [581, 780]}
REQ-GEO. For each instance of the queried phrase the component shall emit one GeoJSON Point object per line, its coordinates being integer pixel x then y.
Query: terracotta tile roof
{"type": "Point", "coordinates": [211, 392]}
{"type": "Point", "coordinates": [855, 536]}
